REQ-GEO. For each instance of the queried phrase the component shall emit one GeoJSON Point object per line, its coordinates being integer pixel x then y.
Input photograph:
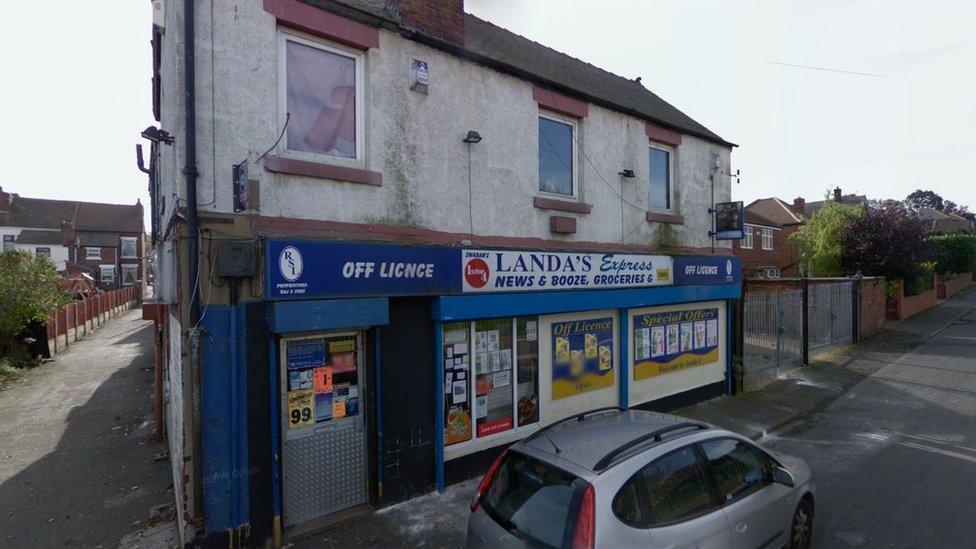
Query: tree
{"type": "Point", "coordinates": [924, 199]}
{"type": "Point", "coordinates": [887, 241]}
{"type": "Point", "coordinates": [821, 239]}
{"type": "Point", "coordinates": [29, 289]}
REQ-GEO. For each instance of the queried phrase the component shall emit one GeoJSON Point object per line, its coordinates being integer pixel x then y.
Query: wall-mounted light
{"type": "Point", "coordinates": [473, 137]}
{"type": "Point", "coordinates": [629, 174]}
{"type": "Point", "coordinates": [156, 135]}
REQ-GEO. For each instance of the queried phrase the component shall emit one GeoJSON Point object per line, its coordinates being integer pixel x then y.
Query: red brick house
{"type": "Point", "coordinates": [766, 250]}
{"type": "Point", "coordinates": [104, 241]}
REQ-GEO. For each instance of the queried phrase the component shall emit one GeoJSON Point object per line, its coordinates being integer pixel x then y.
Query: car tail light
{"type": "Point", "coordinates": [583, 536]}
{"type": "Point", "coordinates": [486, 482]}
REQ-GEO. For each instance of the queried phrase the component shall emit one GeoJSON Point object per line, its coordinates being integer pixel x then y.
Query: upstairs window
{"type": "Point", "coordinates": [93, 253]}
{"type": "Point", "coordinates": [42, 251]}
{"type": "Point", "coordinates": [660, 177]}
{"type": "Point", "coordinates": [557, 155]}
{"type": "Point", "coordinates": [319, 85]}
{"type": "Point", "coordinates": [747, 243]}
{"type": "Point", "coordinates": [767, 239]}
{"type": "Point", "coordinates": [129, 247]}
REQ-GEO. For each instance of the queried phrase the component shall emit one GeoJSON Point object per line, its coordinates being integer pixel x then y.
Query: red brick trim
{"type": "Point", "coordinates": [674, 219]}
{"type": "Point", "coordinates": [559, 103]}
{"type": "Point", "coordinates": [562, 224]}
{"type": "Point", "coordinates": [561, 205]}
{"type": "Point", "coordinates": [292, 166]}
{"type": "Point", "coordinates": [298, 16]}
{"type": "Point", "coordinates": [661, 134]}
{"type": "Point", "coordinates": [338, 230]}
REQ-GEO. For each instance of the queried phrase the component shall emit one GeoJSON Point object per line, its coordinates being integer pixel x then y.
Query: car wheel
{"type": "Point", "coordinates": [802, 528]}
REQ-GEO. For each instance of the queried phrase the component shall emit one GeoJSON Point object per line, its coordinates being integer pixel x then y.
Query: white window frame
{"type": "Point", "coordinates": [574, 124]}
{"type": "Point", "coordinates": [88, 253]}
{"type": "Point", "coordinates": [767, 236]}
{"type": "Point", "coordinates": [285, 36]}
{"type": "Point", "coordinates": [9, 242]}
{"type": "Point", "coordinates": [770, 272]}
{"type": "Point", "coordinates": [748, 238]}
{"type": "Point", "coordinates": [46, 253]}
{"type": "Point", "coordinates": [101, 273]}
{"type": "Point", "coordinates": [131, 266]}
{"type": "Point", "coordinates": [670, 151]}
{"type": "Point", "coordinates": [135, 247]}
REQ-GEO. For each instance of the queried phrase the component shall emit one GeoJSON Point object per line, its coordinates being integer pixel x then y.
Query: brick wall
{"type": "Point", "coordinates": [901, 306]}
{"type": "Point", "coordinates": [871, 307]}
{"type": "Point", "coordinates": [783, 254]}
{"type": "Point", "coordinates": [948, 286]}
{"type": "Point", "coordinates": [443, 19]}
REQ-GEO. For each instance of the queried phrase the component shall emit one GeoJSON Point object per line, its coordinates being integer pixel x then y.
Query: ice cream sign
{"type": "Point", "coordinates": [513, 271]}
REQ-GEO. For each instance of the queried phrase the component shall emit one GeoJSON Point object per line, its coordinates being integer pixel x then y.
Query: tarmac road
{"type": "Point", "coordinates": [895, 456]}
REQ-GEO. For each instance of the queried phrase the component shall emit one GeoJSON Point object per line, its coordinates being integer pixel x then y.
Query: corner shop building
{"type": "Point", "coordinates": [371, 373]}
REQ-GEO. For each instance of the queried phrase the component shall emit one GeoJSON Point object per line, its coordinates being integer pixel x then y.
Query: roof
{"type": "Point", "coordinates": [940, 221]}
{"type": "Point", "coordinates": [504, 50]}
{"type": "Point", "coordinates": [775, 210]}
{"type": "Point", "coordinates": [755, 218]}
{"type": "Point", "coordinates": [811, 208]}
{"type": "Point", "coordinates": [43, 213]}
{"type": "Point", "coordinates": [34, 236]}
{"type": "Point", "coordinates": [611, 430]}
{"type": "Point", "coordinates": [102, 240]}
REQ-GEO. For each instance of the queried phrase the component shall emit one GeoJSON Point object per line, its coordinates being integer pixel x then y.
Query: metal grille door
{"type": "Point", "coordinates": [772, 334]}
{"type": "Point", "coordinates": [830, 316]}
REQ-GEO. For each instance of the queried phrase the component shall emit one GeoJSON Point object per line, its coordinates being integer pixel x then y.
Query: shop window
{"type": "Point", "coordinates": [491, 377]}
{"type": "Point", "coordinates": [323, 380]}
{"type": "Point", "coordinates": [557, 155]}
{"type": "Point", "coordinates": [321, 92]}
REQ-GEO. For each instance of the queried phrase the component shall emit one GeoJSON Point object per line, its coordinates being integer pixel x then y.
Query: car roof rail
{"type": "Point", "coordinates": [577, 417]}
{"type": "Point", "coordinates": [655, 435]}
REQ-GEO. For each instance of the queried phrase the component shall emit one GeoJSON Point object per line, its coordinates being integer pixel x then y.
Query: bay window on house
{"type": "Point", "coordinates": [557, 155]}
{"type": "Point", "coordinates": [767, 239]}
{"type": "Point", "coordinates": [659, 161]}
{"type": "Point", "coordinates": [320, 86]}
{"type": "Point", "coordinates": [491, 377]}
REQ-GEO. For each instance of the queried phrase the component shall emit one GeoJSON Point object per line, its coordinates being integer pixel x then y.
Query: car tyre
{"type": "Point", "coordinates": [801, 530]}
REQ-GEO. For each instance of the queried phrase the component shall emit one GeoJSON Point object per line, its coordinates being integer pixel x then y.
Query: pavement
{"type": "Point", "coordinates": [838, 413]}
{"type": "Point", "coordinates": [78, 464]}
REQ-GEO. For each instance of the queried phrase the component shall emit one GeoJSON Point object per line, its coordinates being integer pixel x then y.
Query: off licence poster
{"type": "Point", "coordinates": [671, 341]}
{"type": "Point", "coordinates": [582, 356]}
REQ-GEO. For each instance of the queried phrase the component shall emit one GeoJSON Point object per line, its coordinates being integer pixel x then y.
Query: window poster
{"type": "Point", "coordinates": [322, 380]}
{"type": "Point", "coordinates": [582, 356]}
{"type": "Point", "coordinates": [678, 340]}
{"type": "Point", "coordinates": [457, 403]}
{"type": "Point", "coordinates": [493, 388]}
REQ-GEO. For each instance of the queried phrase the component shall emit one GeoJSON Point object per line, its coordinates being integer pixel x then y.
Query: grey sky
{"type": "Point", "coordinates": [74, 103]}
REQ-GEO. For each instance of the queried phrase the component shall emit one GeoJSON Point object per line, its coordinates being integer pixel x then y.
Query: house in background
{"type": "Point", "coordinates": [104, 241]}
{"type": "Point", "coordinates": [944, 222]}
{"type": "Point", "coordinates": [766, 250]}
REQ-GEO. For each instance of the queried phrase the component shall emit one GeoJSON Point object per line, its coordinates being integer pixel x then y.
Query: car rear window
{"type": "Point", "coordinates": [534, 500]}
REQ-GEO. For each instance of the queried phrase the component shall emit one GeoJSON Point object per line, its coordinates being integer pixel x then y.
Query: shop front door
{"type": "Point", "coordinates": [324, 437]}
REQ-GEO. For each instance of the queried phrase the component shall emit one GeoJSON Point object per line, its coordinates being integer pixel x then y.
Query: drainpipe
{"type": "Point", "coordinates": [190, 174]}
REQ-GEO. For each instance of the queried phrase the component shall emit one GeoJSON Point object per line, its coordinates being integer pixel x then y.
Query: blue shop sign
{"type": "Point", "coordinates": [707, 270]}
{"type": "Point", "coordinates": [299, 269]}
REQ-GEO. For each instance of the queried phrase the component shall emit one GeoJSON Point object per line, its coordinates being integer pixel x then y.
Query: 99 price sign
{"type": "Point", "coordinates": [301, 408]}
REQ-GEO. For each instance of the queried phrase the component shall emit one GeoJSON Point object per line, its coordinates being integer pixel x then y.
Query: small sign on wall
{"type": "Point", "coordinates": [673, 341]}
{"type": "Point", "coordinates": [582, 356]}
{"type": "Point", "coordinates": [729, 220]}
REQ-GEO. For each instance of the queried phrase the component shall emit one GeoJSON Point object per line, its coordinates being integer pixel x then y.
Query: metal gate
{"type": "Point", "coordinates": [830, 316]}
{"type": "Point", "coordinates": [772, 335]}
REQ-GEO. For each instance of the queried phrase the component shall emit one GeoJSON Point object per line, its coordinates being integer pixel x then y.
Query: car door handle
{"type": "Point", "coordinates": [741, 527]}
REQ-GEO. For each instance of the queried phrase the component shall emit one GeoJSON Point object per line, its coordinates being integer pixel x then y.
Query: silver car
{"type": "Point", "coordinates": [631, 478]}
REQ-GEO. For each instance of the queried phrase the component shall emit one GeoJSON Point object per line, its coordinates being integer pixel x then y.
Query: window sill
{"type": "Point", "coordinates": [658, 217]}
{"type": "Point", "coordinates": [292, 166]}
{"type": "Point", "coordinates": [544, 203]}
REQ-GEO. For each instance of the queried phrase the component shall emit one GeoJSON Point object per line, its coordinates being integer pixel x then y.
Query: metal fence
{"type": "Point", "coordinates": [830, 316]}
{"type": "Point", "coordinates": [772, 332]}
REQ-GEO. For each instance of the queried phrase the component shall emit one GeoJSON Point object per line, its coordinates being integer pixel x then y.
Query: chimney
{"type": "Point", "coordinates": [442, 19]}
{"type": "Point", "coordinates": [837, 194]}
{"type": "Point", "coordinates": [6, 201]}
{"type": "Point", "coordinates": [68, 235]}
{"type": "Point", "coordinates": [799, 205]}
